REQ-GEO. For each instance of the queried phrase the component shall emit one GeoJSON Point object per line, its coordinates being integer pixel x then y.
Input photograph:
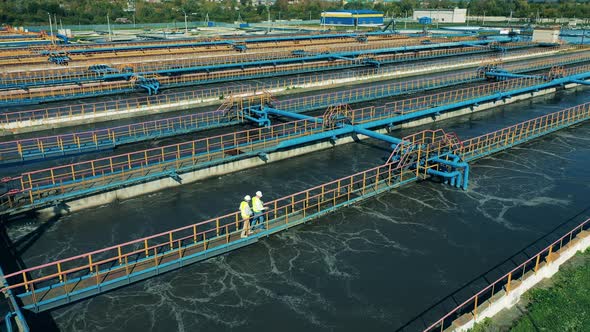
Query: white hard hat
{"type": "Point", "coordinates": [259, 193]}
{"type": "Point", "coordinates": [247, 197]}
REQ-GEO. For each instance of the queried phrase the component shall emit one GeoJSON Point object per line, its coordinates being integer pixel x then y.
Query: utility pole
{"type": "Point", "coordinates": [406, 21]}
{"type": "Point", "coordinates": [268, 15]}
{"type": "Point", "coordinates": [50, 29]}
{"type": "Point", "coordinates": [109, 28]}
{"type": "Point", "coordinates": [483, 20]}
{"type": "Point", "coordinates": [437, 14]}
{"type": "Point", "coordinates": [185, 23]}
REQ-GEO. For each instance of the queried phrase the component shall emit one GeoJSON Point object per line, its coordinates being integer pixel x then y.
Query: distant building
{"type": "Point", "coordinates": [457, 15]}
{"type": "Point", "coordinates": [361, 17]}
{"type": "Point", "coordinates": [550, 35]}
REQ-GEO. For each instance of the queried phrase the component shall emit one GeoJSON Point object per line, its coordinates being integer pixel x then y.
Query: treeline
{"type": "Point", "coordinates": [73, 12]}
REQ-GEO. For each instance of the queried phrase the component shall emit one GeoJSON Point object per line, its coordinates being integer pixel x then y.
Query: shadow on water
{"type": "Point", "coordinates": [42, 321]}
{"type": "Point", "coordinates": [471, 287]}
{"type": "Point", "coordinates": [11, 261]}
{"type": "Point", "coordinates": [21, 245]}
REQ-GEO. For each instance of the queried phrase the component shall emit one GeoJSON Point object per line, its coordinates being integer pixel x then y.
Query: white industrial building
{"type": "Point", "coordinates": [457, 15]}
{"type": "Point", "coordinates": [550, 35]}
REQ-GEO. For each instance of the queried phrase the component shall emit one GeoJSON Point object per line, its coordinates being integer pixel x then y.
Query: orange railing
{"type": "Point", "coordinates": [506, 283]}
{"type": "Point", "coordinates": [145, 63]}
{"type": "Point", "coordinates": [227, 74]}
{"type": "Point", "coordinates": [486, 144]}
{"type": "Point", "coordinates": [18, 149]}
{"type": "Point", "coordinates": [94, 173]}
{"type": "Point", "coordinates": [62, 179]}
{"type": "Point", "coordinates": [10, 120]}
{"type": "Point", "coordinates": [117, 262]}
{"type": "Point", "coordinates": [177, 47]}
{"type": "Point", "coordinates": [134, 256]}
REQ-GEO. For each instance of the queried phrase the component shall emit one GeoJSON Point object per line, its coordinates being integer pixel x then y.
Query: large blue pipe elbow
{"type": "Point", "coordinates": [453, 163]}
{"type": "Point", "coordinates": [446, 175]}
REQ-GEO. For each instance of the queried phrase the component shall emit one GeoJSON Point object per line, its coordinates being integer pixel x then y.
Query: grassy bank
{"type": "Point", "coordinates": [561, 303]}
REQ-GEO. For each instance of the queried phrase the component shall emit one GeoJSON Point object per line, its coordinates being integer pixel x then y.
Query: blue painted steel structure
{"type": "Point", "coordinates": [191, 123]}
{"type": "Point", "coordinates": [348, 56]}
{"type": "Point", "coordinates": [169, 82]}
{"type": "Point", "coordinates": [106, 73]}
{"type": "Point", "coordinates": [16, 312]}
{"type": "Point", "coordinates": [149, 45]}
{"type": "Point", "coordinates": [418, 156]}
{"type": "Point", "coordinates": [366, 121]}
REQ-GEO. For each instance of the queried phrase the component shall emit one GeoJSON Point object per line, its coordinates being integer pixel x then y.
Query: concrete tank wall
{"type": "Point", "coordinates": [229, 167]}
{"type": "Point", "coordinates": [53, 123]}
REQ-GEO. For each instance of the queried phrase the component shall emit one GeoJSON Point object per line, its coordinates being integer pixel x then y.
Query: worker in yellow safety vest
{"type": "Point", "coordinates": [246, 213]}
{"type": "Point", "coordinates": [258, 208]}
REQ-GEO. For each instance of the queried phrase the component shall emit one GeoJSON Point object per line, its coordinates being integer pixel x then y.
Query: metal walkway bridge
{"type": "Point", "coordinates": [32, 55]}
{"type": "Point", "coordinates": [419, 156]}
{"type": "Point", "coordinates": [97, 111]}
{"type": "Point", "coordinates": [152, 81]}
{"type": "Point", "coordinates": [47, 94]}
{"type": "Point", "coordinates": [75, 143]}
{"type": "Point", "coordinates": [56, 185]}
{"type": "Point", "coordinates": [120, 68]}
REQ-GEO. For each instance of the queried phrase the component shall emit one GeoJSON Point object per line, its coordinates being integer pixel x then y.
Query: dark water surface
{"type": "Point", "coordinates": [373, 266]}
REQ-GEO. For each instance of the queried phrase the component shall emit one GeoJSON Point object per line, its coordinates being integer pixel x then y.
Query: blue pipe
{"type": "Point", "coordinates": [393, 140]}
{"type": "Point", "coordinates": [465, 177]}
{"type": "Point", "coordinates": [140, 47]}
{"type": "Point", "coordinates": [7, 320]}
{"type": "Point", "coordinates": [450, 162]}
{"type": "Point", "coordinates": [455, 163]}
{"type": "Point", "coordinates": [505, 74]}
{"type": "Point", "coordinates": [315, 137]}
{"type": "Point", "coordinates": [471, 102]}
{"type": "Point", "coordinates": [357, 129]}
{"type": "Point", "coordinates": [288, 114]}
{"type": "Point", "coordinates": [581, 82]}
{"type": "Point", "coordinates": [17, 310]}
{"type": "Point", "coordinates": [319, 57]}
{"type": "Point", "coordinates": [260, 122]}
{"type": "Point", "coordinates": [341, 58]}
{"type": "Point", "coordinates": [449, 175]}
{"type": "Point", "coordinates": [147, 46]}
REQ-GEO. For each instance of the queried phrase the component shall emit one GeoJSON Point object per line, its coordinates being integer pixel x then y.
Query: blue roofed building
{"type": "Point", "coordinates": [357, 17]}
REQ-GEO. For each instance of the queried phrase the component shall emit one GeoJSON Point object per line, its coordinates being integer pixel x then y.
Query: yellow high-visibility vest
{"type": "Point", "coordinates": [245, 210]}
{"type": "Point", "coordinates": [257, 205]}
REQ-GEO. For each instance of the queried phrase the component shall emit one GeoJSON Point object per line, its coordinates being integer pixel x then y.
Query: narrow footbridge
{"type": "Point", "coordinates": [56, 185]}
{"type": "Point", "coordinates": [419, 156]}
{"type": "Point", "coordinates": [228, 114]}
